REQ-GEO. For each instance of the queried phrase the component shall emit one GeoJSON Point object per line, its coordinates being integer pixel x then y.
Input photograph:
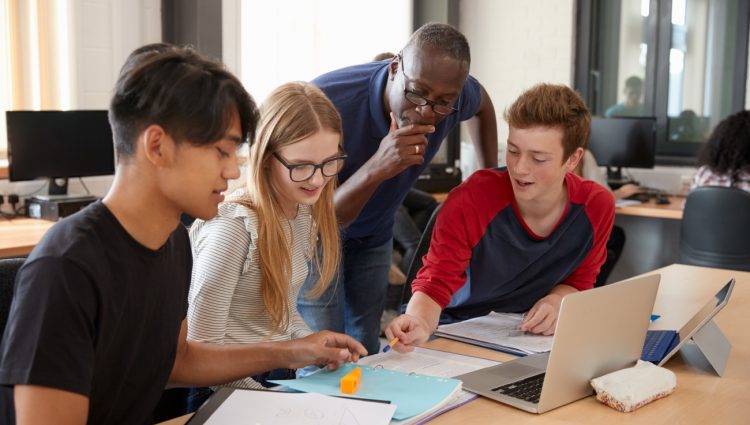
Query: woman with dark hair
{"type": "Point", "coordinates": [725, 159]}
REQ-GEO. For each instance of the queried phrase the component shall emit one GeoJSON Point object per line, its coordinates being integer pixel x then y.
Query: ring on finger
{"type": "Point", "coordinates": [416, 148]}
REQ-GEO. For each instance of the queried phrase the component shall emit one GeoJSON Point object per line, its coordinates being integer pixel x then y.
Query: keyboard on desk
{"type": "Point", "coordinates": [529, 389]}
{"type": "Point", "coordinates": [640, 197]}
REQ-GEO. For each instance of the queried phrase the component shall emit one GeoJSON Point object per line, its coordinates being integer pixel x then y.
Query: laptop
{"type": "Point", "coordinates": [598, 331]}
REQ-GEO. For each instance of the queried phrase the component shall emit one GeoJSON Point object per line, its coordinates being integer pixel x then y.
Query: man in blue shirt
{"type": "Point", "coordinates": [396, 114]}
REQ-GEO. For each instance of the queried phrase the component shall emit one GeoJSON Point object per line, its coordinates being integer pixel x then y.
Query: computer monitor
{"type": "Point", "coordinates": [623, 142]}
{"type": "Point", "coordinates": [58, 145]}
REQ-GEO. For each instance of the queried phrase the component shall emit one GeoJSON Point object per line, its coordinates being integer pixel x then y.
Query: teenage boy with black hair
{"type": "Point", "coordinates": [97, 327]}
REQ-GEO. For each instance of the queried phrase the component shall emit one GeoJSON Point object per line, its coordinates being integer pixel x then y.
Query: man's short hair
{"type": "Point", "coordinates": [190, 96]}
{"type": "Point", "coordinates": [634, 82]}
{"type": "Point", "coordinates": [553, 105]}
{"type": "Point", "coordinates": [442, 37]}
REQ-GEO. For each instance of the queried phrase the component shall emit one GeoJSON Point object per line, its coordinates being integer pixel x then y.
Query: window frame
{"type": "Point", "coordinates": [656, 84]}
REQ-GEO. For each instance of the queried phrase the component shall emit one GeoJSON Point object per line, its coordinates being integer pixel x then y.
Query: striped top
{"type": "Point", "coordinates": [226, 300]}
{"type": "Point", "coordinates": [706, 177]}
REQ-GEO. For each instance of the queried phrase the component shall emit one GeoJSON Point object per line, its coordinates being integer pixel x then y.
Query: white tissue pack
{"type": "Point", "coordinates": [628, 389]}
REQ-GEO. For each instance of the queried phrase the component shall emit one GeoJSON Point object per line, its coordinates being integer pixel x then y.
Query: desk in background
{"type": "Point", "coordinates": [651, 209]}
{"type": "Point", "coordinates": [701, 396]}
{"type": "Point", "coordinates": [652, 237]}
{"type": "Point", "coordinates": [19, 236]}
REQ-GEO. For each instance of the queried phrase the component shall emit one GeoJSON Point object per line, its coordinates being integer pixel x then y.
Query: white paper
{"type": "Point", "coordinates": [271, 407]}
{"type": "Point", "coordinates": [619, 203]}
{"type": "Point", "coordinates": [424, 361]}
{"type": "Point", "coordinates": [499, 330]}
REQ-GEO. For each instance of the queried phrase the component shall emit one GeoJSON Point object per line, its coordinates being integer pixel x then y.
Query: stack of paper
{"type": "Point", "coordinates": [497, 331]}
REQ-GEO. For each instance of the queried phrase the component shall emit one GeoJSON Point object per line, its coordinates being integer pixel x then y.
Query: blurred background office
{"type": "Point", "coordinates": [691, 55]}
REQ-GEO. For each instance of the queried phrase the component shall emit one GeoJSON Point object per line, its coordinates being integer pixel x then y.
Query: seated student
{"type": "Point", "coordinates": [516, 239]}
{"type": "Point", "coordinates": [97, 327]}
{"type": "Point", "coordinates": [251, 259]}
{"type": "Point", "coordinates": [725, 159]}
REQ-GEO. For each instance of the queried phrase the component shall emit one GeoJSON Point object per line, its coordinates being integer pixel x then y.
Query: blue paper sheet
{"type": "Point", "coordinates": [412, 394]}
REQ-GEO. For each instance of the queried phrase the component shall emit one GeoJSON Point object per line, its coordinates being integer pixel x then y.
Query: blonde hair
{"type": "Point", "coordinates": [292, 112]}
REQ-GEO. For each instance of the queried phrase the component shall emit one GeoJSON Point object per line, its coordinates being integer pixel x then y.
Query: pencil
{"type": "Point", "coordinates": [390, 345]}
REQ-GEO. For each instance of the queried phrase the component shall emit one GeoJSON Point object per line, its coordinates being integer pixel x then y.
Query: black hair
{"type": "Point", "coordinates": [727, 151]}
{"type": "Point", "coordinates": [634, 82]}
{"type": "Point", "coordinates": [443, 37]}
{"type": "Point", "coordinates": [190, 96]}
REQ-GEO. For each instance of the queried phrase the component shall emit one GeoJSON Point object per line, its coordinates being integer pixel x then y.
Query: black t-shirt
{"type": "Point", "coordinates": [97, 313]}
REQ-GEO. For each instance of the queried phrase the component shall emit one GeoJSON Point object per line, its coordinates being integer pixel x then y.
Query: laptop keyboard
{"type": "Point", "coordinates": [528, 389]}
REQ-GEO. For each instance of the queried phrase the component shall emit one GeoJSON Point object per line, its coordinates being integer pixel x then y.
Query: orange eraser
{"type": "Point", "coordinates": [350, 381]}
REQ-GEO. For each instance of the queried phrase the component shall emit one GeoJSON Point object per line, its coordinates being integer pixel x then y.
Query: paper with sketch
{"type": "Point", "coordinates": [498, 331]}
{"type": "Point", "coordinates": [273, 407]}
{"type": "Point", "coordinates": [430, 362]}
{"type": "Point", "coordinates": [412, 394]}
{"type": "Point", "coordinates": [425, 361]}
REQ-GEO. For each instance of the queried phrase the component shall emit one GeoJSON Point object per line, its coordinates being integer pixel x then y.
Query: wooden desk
{"type": "Point", "coordinates": [19, 236]}
{"type": "Point", "coordinates": [700, 398]}
{"type": "Point", "coordinates": [673, 210]}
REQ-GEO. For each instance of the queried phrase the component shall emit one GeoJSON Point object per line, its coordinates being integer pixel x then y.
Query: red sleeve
{"type": "Point", "coordinates": [600, 209]}
{"type": "Point", "coordinates": [460, 225]}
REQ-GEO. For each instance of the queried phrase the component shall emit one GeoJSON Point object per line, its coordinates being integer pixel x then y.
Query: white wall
{"type": "Point", "coordinates": [516, 44]}
{"type": "Point", "coordinates": [102, 35]}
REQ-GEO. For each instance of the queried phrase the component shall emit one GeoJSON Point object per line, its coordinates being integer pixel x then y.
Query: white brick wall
{"type": "Point", "coordinates": [516, 44]}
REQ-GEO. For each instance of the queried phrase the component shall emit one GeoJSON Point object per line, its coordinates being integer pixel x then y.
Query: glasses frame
{"type": "Point", "coordinates": [316, 167]}
{"type": "Point", "coordinates": [420, 100]}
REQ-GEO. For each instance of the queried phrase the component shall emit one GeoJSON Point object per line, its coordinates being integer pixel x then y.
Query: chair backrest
{"type": "Point", "coordinates": [715, 228]}
{"type": "Point", "coordinates": [416, 261]}
{"type": "Point", "coordinates": [8, 269]}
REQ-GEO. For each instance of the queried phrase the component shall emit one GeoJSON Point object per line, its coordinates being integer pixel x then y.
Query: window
{"type": "Point", "coordinates": [290, 40]}
{"type": "Point", "coordinates": [681, 61]}
{"type": "Point", "coordinates": [35, 65]}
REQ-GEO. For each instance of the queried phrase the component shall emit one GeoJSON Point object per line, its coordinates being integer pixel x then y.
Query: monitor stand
{"type": "Point", "coordinates": [615, 179]}
{"type": "Point", "coordinates": [58, 186]}
{"type": "Point", "coordinates": [710, 345]}
{"type": "Point", "coordinates": [58, 191]}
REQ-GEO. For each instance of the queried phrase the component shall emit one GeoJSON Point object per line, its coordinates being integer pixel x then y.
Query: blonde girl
{"type": "Point", "coordinates": [252, 259]}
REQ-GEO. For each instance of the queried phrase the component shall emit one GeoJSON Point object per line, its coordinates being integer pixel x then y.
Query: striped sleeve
{"type": "Point", "coordinates": [220, 247]}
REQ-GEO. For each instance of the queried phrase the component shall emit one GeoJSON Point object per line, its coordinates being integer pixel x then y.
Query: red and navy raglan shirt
{"type": "Point", "coordinates": [483, 257]}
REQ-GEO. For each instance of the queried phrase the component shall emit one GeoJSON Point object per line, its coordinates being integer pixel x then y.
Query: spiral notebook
{"type": "Point", "coordinates": [412, 394]}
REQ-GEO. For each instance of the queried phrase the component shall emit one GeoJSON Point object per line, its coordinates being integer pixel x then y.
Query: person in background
{"type": "Point", "coordinates": [395, 115]}
{"type": "Point", "coordinates": [725, 159]}
{"type": "Point", "coordinates": [97, 327]}
{"type": "Point", "coordinates": [251, 259]}
{"type": "Point", "coordinates": [590, 170]}
{"type": "Point", "coordinates": [516, 239]}
{"type": "Point", "coordinates": [632, 106]}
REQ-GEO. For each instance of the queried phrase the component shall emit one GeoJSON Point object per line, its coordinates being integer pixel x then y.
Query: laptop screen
{"type": "Point", "coordinates": [699, 319]}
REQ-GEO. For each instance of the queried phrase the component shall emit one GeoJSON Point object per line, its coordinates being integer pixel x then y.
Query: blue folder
{"type": "Point", "coordinates": [412, 394]}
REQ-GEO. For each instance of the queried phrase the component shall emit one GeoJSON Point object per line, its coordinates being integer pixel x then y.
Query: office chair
{"type": "Point", "coordinates": [416, 261]}
{"type": "Point", "coordinates": [714, 231]}
{"type": "Point", "coordinates": [8, 269]}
